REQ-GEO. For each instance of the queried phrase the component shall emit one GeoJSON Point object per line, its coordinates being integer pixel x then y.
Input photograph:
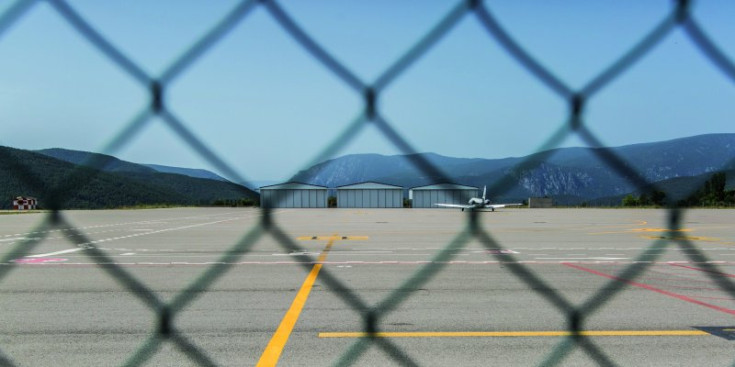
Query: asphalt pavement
{"type": "Point", "coordinates": [371, 287]}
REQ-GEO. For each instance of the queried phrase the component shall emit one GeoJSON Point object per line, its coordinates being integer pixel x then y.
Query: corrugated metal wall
{"type": "Point", "coordinates": [427, 198]}
{"type": "Point", "coordinates": [298, 198]}
{"type": "Point", "coordinates": [370, 198]}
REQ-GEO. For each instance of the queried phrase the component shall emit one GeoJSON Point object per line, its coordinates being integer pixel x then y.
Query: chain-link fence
{"type": "Point", "coordinates": [680, 16]}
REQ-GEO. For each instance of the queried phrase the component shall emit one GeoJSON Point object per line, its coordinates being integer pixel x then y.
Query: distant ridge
{"type": "Point", "coordinates": [112, 164]}
{"type": "Point", "coordinates": [116, 165]}
{"type": "Point", "coordinates": [191, 172]}
{"type": "Point", "coordinates": [118, 184]}
{"type": "Point", "coordinates": [572, 175]}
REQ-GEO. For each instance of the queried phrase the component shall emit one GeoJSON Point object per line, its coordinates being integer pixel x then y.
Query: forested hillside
{"type": "Point", "coordinates": [68, 186]}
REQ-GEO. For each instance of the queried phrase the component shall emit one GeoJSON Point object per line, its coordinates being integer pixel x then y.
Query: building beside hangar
{"type": "Point", "coordinates": [544, 202]}
{"type": "Point", "coordinates": [369, 195]}
{"type": "Point", "coordinates": [293, 195]}
{"type": "Point", "coordinates": [446, 193]}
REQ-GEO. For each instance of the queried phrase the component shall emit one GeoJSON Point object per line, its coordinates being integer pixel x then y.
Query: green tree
{"type": "Point", "coordinates": [712, 192]}
{"type": "Point", "coordinates": [629, 200]}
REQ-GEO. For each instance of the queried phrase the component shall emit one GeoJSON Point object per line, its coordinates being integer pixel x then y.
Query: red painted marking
{"type": "Point", "coordinates": [704, 270]}
{"type": "Point", "coordinates": [719, 298]}
{"type": "Point", "coordinates": [654, 289]}
{"type": "Point", "coordinates": [37, 260]}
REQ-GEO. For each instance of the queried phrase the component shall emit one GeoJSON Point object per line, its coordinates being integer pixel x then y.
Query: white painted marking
{"type": "Point", "coordinates": [581, 258]}
{"type": "Point", "coordinates": [271, 263]}
{"type": "Point", "coordinates": [128, 254]}
{"type": "Point", "coordinates": [367, 254]}
{"type": "Point", "coordinates": [135, 235]}
{"type": "Point", "coordinates": [58, 252]}
{"type": "Point", "coordinates": [26, 260]}
{"type": "Point", "coordinates": [158, 221]}
{"type": "Point", "coordinates": [296, 254]}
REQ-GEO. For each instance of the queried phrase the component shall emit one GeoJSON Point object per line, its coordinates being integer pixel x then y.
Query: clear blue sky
{"type": "Point", "coordinates": [267, 108]}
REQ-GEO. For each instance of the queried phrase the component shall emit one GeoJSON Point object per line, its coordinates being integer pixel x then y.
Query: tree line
{"type": "Point", "coordinates": [713, 193]}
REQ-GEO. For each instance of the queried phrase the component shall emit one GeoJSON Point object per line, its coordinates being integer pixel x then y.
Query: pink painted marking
{"type": "Point", "coordinates": [38, 260]}
{"type": "Point", "coordinates": [654, 289]}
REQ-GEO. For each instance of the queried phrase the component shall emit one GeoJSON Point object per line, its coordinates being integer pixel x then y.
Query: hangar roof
{"type": "Point", "coordinates": [293, 186]}
{"type": "Point", "coordinates": [445, 186]}
{"type": "Point", "coordinates": [368, 185]}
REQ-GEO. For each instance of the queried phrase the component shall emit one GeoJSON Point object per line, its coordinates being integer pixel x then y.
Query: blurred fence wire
{"type": "Point", "coordinates": [679, 16]}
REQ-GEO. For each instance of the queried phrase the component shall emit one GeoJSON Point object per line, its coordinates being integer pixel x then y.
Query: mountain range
{"type": "Point", "coordinates": [570, 175]}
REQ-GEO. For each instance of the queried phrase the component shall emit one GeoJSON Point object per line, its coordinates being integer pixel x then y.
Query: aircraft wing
{"type": "Point", "coordinates": [458, 206]}
{"type": "Point", "coordinates": [497, 206]}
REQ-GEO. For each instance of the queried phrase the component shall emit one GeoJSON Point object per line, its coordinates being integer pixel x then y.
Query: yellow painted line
{"type": "Point", "coordinates": [460, 334]}
{"type": "Point", "coordinates": [660, 230]}
{"type": "Point", "coordinates": [690, 238]}
{"type": "Point", "coordinates": [639, 230]}
{"type": "Point", "coordinates": [273, 350]}
{"type": "Point", "coordinates": [332, 238]}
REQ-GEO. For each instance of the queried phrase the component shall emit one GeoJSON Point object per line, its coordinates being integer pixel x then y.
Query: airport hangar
{"type": "Point", "coordinates": [447, 193]}
{"type": "Point", "coordinates": [369, 195]}
{"type": "Point", "coordinates": [363, 195]}
{"type": "Point", "coordinates": [293, 195]}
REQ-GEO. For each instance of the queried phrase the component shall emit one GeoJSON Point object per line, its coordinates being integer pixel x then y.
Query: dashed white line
{"type": "Point", "coordinates": [271, 263]}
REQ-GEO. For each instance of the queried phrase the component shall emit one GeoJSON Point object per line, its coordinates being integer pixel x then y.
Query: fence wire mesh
{"type": "Point", "coordinates": [680, 16]}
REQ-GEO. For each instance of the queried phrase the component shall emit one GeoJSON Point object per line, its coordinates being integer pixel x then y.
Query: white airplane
{"type": "Point", "coordinates": [478, 203]}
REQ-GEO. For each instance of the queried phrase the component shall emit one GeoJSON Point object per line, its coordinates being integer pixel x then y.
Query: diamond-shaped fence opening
{"type": "Point", "coordinates": [165, 331]}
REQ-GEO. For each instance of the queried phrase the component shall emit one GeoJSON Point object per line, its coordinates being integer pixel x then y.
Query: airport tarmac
{"type": "Point", "coordinates": [299, 292]}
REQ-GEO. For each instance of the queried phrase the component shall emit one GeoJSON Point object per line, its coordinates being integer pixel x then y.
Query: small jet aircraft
{"type": "Point", "coordinates": [478, 203]}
